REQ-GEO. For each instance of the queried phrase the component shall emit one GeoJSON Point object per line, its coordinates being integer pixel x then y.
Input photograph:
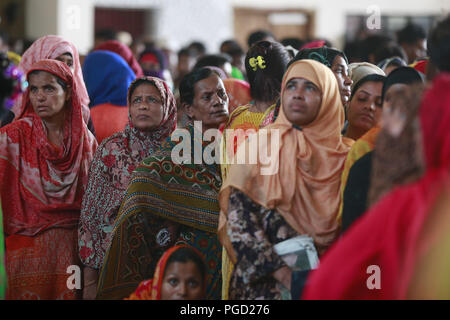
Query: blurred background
{"type": "Point", "coordinates": [173, 24]}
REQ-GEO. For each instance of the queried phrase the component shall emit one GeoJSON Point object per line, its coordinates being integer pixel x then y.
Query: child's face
{"type": "Point", "coordinates": [182, 281]}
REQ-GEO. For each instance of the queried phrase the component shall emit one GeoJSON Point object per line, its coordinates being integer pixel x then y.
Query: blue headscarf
{"type": "Point", "coordinates": [107, 77]}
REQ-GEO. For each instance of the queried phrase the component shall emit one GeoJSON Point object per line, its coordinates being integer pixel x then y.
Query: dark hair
{"type": "Point", "coordinates": [187, 254]}
{"type": "Point", "coordinates": [439, 45]}
{"type": "Point", "coordinates": [371, 77]}
{"type": "Point", "coordinates": [405, 75]}
{"type": "Point", "coordinates": [212, 60]}
{"type": "Point", "coordinates": [265, 84]}
{"type": "Point", "coordinates": [411, 33]}
{"type": "Point", "coordinates": [295, 43]}
{"type": "Point", "coordinates": [258, 36]}
{"type": "Point", "coordinates": [107, 34]}
{"type": "Point", "coordinates": [323, 55]}
{"type": "Point", "coordinates": [185, 52]}
{"type": "Point", "coordinates": [187, 90]}
{"type": "Point", "coordinates": [389, 50]}
{"type": "Point", "coordinates": [231, 47]}
{"type": "Point", "coordinates": [198, 48]}
{"type": "Point", "coordinates": [58, 79]}
{"type": "Point", "coordinates": [371, 44]}
{"type": "Point", "coordinates": [136, 83]}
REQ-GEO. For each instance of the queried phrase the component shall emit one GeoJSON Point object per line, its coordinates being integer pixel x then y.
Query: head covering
{"type": "Point", "coordinates": [151, 289]}
{"type": "Point", "coordinates": [238, 92]}
{"type": "Point", "coordinates": [404, 75]}
{"type": "Point", "coordinates": [314, 44]}
{"type": "Point", "coordinates": [125, 52]}
{"type": "Point", "coordinates": [107, 77]}
{"type": "Point", "coordinates": [110, 173]}
{"type": "Point", "coordinates": [391, 235]}
{"type": "Point", "coordinates": [51, 47]}
{"type": "Point", "coordinates": [45, 182]}
{"type": "Point", "coordinates": [323, 55]}
{"type": "Point", "coordinates": [359, 70]}
{"type": "Point", "coordinates": [385, 63]}
{"type": "Point", "coordinates": [305, 189]}
{"type": "Point", "coordinates": [157, 56]}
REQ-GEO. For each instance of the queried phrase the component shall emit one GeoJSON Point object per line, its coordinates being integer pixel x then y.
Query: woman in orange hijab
{"type": "Point", "coordinates": [262, 210]}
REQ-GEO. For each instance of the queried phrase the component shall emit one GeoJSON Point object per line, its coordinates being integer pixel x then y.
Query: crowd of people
{"type": "Point", "coordinates": [359, 148]}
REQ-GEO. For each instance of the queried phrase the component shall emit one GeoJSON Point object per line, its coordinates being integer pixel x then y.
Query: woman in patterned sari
{"type": "Point", "coordinates": [168, 202]}
{"type": "Point", "coordinates": [45, 156]}
{"type": "Point", "coordinates": [152, 118]}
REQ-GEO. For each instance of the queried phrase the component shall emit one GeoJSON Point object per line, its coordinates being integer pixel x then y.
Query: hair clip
{"type": "Point", "coordinates": [257, 62]}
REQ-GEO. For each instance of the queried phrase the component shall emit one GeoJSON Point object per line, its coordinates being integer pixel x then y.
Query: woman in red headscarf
{"type": "Point", "coordinates": [44, 155]}
{"type": "Point", "coordinates": [380, 255]}
{"type": "Point", "coordinates": [180, 275]}
{"type": "Point", "coordinates": [56, 48]}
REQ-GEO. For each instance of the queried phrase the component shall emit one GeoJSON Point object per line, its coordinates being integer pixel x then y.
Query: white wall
{"type": "Point", "coordinates": [40, 18]}
{"type": "Point", "coordinates": [76, 23]}
{"type": "Point", "coordinates": [70, 19]}
{"type": "Point", "coordinates": [182, 21]}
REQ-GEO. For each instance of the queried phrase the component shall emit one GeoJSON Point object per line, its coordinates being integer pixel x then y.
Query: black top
{"type": "Point", "coordinates": [356, 191]}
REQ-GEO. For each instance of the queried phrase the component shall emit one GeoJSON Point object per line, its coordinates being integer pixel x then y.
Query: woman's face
{"type": "Point", "coordinates": [47, 96]}
{"type": "Point", "coordinates": [67, 59]}
{"type": "Point", "coordinates": [210, 104]}
{"type": "Point", "coordinates": [364, 110]}
{"type": "Point", "coordinates": [146, 107]}
{"type": "Point", "coordinates": [340, 70]}
{"type": "Point", "coordinates": [301, 101]}
{"type": "Point", "coordinates": [182, 281]}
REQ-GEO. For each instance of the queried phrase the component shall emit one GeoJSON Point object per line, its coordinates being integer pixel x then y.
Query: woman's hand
{"type": "Point", "coordinates": [284, 275]}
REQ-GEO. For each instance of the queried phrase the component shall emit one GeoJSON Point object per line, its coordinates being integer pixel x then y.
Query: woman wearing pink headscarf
{"type": "Point", "coordinates": [56, 48]}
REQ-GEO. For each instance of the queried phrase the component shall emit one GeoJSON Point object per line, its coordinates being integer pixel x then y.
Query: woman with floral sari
{"type": "Point", "coordinates": [45, 155]}
{"type": "Point", "coordinates": [152, 118]}
{"type": "Point", "coordinates": [169, 201]}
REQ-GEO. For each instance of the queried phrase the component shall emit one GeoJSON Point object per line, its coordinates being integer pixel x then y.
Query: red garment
{"type": "Point", "coordinates": [51, 47]}
{"type": "Point", "coordinates": [390, 235]}
{"type": "Point", "coordinates": [45, 184]}
{"type": "Point", "coordinates": [123, 51]}
{"type": "Point", "coordinates": [108, 119]}
{"type": "Point", "coordinates": [37, 266]}
{"type": "Point", "coordinates": [238, 92]}
{"type": "Point", "coordinates": [151, 289]}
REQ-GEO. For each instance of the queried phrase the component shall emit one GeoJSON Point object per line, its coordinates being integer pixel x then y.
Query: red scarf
{"type": "Point", "coordinates": [44, 183]}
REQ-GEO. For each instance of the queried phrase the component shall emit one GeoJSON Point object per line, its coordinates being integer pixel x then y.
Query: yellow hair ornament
{"type": "Point", "coordinates": [257, 62]}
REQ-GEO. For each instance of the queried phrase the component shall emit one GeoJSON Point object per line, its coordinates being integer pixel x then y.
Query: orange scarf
{"type": "Point", "coordinates": [305, 189]}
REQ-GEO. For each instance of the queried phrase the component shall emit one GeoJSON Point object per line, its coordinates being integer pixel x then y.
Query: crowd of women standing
{"type": "Point", "coordinates": [362, 173]}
